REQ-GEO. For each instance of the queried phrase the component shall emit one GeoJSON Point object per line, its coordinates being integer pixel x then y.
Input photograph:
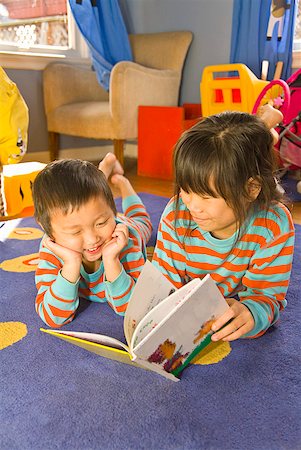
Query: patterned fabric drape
{"type": "Point", "coordinates": [263, 30]}
{"type": "Point", "coordinates": [102, 25]}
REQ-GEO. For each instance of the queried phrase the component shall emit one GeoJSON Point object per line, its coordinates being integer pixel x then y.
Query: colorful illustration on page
{"type": "Point", "coordinates": [171, 358]}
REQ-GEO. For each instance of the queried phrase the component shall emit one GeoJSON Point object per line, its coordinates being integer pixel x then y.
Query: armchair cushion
{"type": "Point", "coordinates": [82, 119]}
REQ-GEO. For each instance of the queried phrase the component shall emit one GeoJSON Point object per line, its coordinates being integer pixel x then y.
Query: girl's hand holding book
{"type": "Point", "coordinates": [240, 322]}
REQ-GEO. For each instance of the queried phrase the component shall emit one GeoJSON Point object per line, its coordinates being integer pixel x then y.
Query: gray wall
{"type": "Point", "coordinates": [209, 20]}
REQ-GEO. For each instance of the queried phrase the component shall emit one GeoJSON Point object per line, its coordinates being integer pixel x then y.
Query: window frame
{"type": "Point", "coordinates": [38, 58]}
{"type": "Point", "coordinates": [296, 60]}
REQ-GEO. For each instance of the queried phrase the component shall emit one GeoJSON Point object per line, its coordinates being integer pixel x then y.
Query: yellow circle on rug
{"type": "Point", "coordinates": [11, 332]}
{"type": "Point", "coordinates": [25, 263]}
{"type": "Point", "coordinates": [213, 353]}
{"type": "Point", "coordinates": [26, 234]}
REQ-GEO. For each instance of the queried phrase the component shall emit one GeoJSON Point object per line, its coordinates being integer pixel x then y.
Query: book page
{"type": "Point", "coordinates": [151, 288]}
{"type": "Point", "coordinates": [170, 343]}
{"type": "Point", "coordinates": [92, 337]}
{"type": "Point", "coordinates": [160, 313]}
{"type": "Point", "coordinates": [116, 352]}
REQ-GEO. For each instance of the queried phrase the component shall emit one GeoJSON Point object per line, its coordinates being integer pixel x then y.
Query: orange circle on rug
{"type": "Point", "coordinates": [11, 332]}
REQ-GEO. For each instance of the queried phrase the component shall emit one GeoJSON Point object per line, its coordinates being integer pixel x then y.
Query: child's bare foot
{"type": "Point", "coordinates": [269, 115]}
{"type": "Point", "coordinates": [110, 165]}
{"type": "Point", "coordinates": [124, 185]}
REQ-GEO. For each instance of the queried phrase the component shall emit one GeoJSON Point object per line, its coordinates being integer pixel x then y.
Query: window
{"type": "Point", "coordinates": [297, 40]}
{"type": "Point", "coordinates": [39, 30]}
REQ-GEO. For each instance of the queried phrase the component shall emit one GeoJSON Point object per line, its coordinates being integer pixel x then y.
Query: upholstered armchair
{"type": "Point", "coordinates": [76, 105]}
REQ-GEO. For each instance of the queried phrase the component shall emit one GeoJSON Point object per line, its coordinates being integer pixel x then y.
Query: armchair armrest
{"type": "Point", "coordinates": [132, 85]}
{"type": "Point", "coordinates": [66, 83]}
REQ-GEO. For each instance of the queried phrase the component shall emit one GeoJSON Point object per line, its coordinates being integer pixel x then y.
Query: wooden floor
{"type": "Point", "coordinates": [296, 212]}
{"type": "Point", "coordinates": [166, 188]}
{"type": "Point", "coordinates": [146, 184]}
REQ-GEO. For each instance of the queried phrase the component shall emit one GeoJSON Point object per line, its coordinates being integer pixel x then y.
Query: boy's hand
{"type": "Point", "coordinates": [242, 322]}
{"type": "Point", "coordinates": [66, 254]}
{"type": "Point", "coordinates": [120, 238]}
{"type": "Point", "coordinates": [111, 251]}
{"type": "Point", "coordinates": [72, 260]}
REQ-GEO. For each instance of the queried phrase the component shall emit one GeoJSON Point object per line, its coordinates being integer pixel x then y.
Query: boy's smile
{"type": "Point", "coordinates": [86, 229]}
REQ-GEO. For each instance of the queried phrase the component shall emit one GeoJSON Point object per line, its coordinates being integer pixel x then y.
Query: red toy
{"type": "Point", "coordinates": [287, 97]}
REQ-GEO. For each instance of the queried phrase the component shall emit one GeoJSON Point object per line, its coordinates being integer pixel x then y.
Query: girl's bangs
{"type": "Point", "coordinates": [202, 179]}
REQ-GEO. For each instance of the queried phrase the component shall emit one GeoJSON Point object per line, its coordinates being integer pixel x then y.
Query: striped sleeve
{"type": "Point", "coordinates": [119, 291]}
{"type": "Point", "coordinates": [267, 278]}
{"type": "Point", "coordinates": [57, 299]}
{"type": "Point", "coordinates": [137, 217]}
{"type": "Point", "coordinates": [133, 256]}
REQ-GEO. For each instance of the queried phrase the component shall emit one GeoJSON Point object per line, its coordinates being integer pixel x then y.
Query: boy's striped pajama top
{"type": "Point", "coordinates": [58, 299]}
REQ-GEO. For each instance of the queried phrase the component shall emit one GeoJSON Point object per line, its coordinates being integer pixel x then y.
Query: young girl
{"type": "Point", "coordinates": [88, 250]}
{"type": "Point", "coordinates": [227, 219]}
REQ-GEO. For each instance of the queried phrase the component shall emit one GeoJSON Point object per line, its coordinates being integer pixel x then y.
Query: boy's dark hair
{"type": "Point", "coordinates": [66, 185]}
{"type": "Point", "coordinates": [227, 150]}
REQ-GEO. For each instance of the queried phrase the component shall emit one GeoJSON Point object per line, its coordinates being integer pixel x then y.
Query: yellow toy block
{"type": "Point", "coordinates": [18, 180]}
{"type": "Point", "coordinates": [229, 87]}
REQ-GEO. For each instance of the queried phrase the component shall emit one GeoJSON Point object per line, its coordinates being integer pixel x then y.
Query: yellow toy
{"type": "Point", "coordinates": [13, 128]}
{"type": "Point", "coordinates": [14, 122]}
{"type": "Point", "coordinates": [229, 87]}
{"type": "Point", "coordinates": [18, 182]}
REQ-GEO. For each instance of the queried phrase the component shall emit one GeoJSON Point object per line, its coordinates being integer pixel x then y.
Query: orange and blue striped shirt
{"type": "Point", "coordinates": [58, 299]}
{"type": "Point", "coordinates": [255, 267]}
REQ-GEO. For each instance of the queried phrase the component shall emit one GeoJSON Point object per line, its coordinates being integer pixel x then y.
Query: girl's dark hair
{"type": "Point", "coordinates": [219, 155]}
{"type": "Point", "coordinates": [66, 185]}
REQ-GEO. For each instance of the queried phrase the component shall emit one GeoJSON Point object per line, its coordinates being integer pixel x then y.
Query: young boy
{"type": "Point", "coordinates": [88, 250]}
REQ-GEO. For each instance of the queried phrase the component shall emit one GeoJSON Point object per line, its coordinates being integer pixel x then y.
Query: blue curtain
{"type": "Point", "coordinates": [263, 30]}
{"type": "Point", "coordinates": [102, 25]}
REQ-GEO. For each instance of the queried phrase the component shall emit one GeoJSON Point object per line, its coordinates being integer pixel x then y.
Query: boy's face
{"type": "Point", "coordinates": [86, 229]}
{"type": "Point", "coordinates": [211, 214]}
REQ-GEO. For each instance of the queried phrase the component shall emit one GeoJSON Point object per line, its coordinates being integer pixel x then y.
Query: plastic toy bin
{"type": "Point", "coordinates": [229, 87]}
{"type": "Point", "coordinates": [18, 180]}
{"type": "Point", "coordinates": [159, 128]}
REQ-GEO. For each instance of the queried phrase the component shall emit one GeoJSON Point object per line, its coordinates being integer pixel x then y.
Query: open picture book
{"type": "Point", "coordinates": [165, 328]}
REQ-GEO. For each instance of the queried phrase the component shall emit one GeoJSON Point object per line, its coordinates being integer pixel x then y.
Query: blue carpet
{"type": "Point", "coordinates": [57, 396]}
{"type": "Point", "coordinates": [289, 184]}
{"type": "Point", "coordinates": [154, 205]}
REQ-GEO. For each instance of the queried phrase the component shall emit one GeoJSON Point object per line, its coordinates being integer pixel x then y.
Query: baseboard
{"type": "Point", "coordinates": [86, 153]}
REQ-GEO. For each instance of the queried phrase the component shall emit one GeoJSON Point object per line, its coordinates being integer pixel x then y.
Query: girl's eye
{"type": "Point", "coordinates": [75, 233]}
